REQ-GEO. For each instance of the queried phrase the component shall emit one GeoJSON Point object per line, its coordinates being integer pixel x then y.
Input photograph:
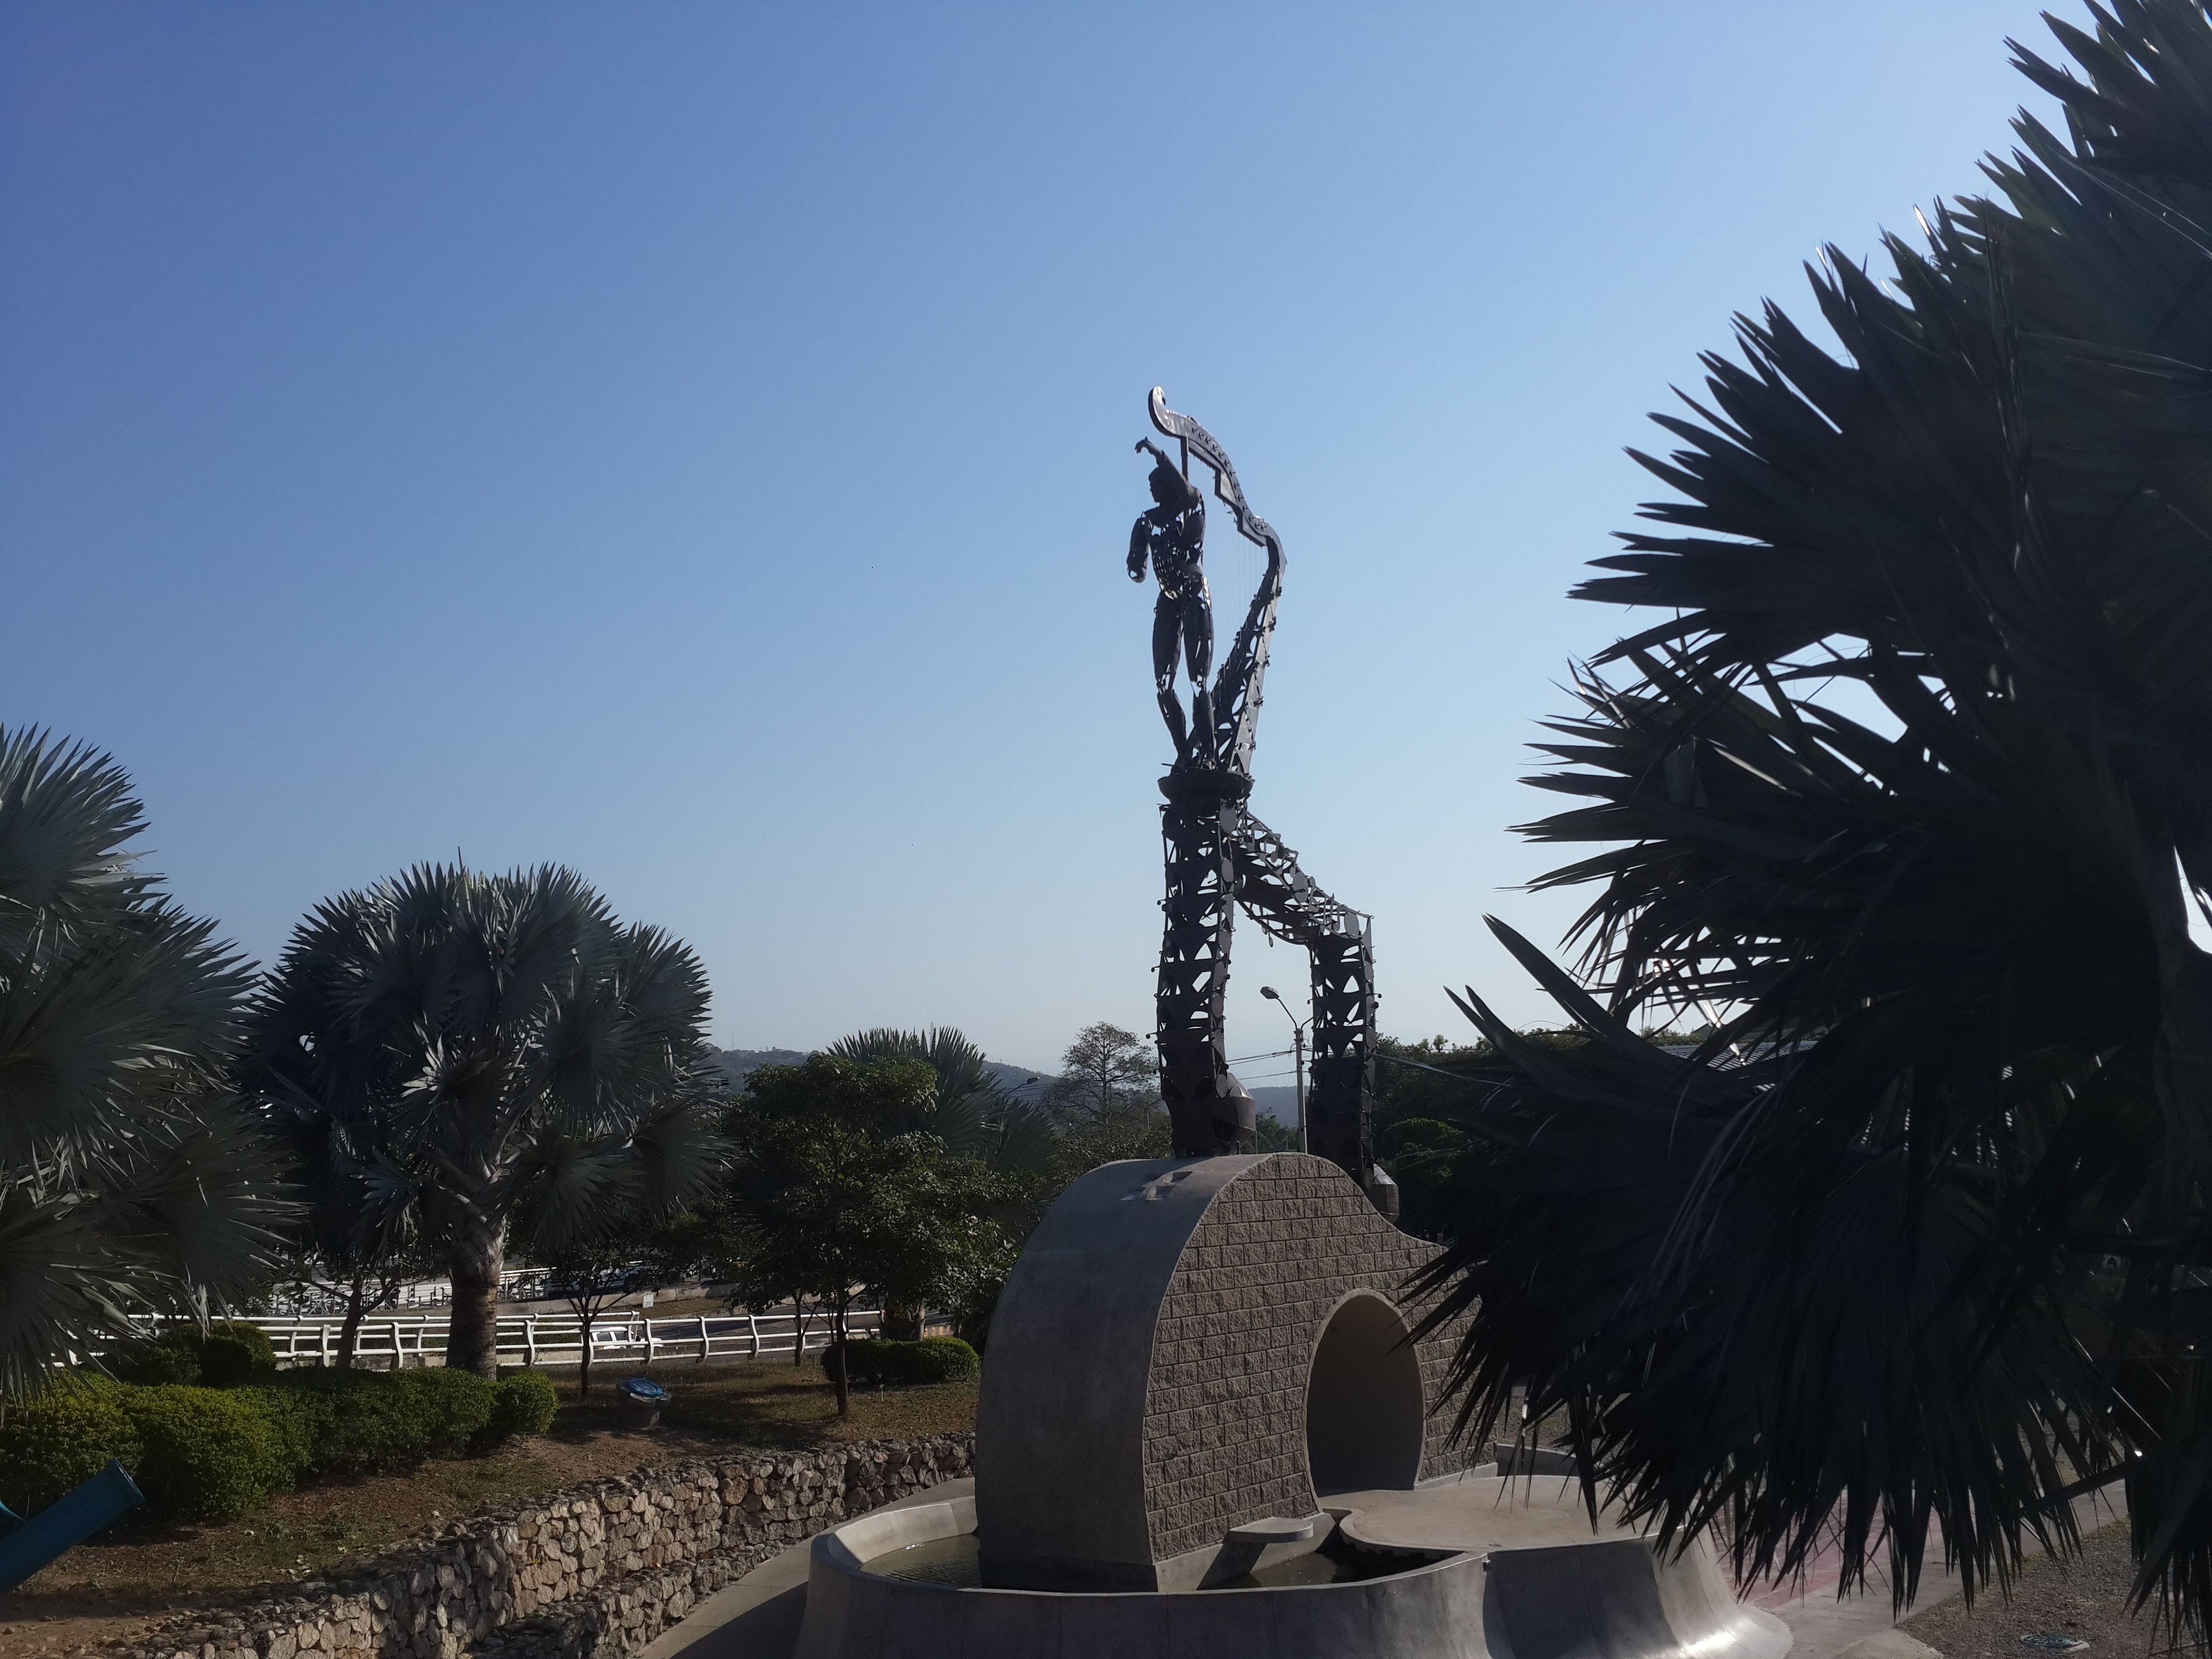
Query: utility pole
{"type": "Point", "coordinates": [1298, 1049]}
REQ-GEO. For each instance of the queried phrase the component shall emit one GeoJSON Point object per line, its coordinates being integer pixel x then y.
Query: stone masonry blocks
{"type": "Point", "coordinates": [593, 1573]}
{"type": "Point", "coordinates": [1277, 1248]}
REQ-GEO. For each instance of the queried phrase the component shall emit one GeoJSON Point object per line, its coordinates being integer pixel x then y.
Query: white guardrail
{"type": "Point", "coordinates": [396, 1341]}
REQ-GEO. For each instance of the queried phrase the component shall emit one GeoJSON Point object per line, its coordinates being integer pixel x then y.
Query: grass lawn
{"type": "Point", "coordinates": [102, 1592]}
{"type": "Point", "coordinates": [775, 1403]}
{"type": "Point", "coordinates": [688, 1307]}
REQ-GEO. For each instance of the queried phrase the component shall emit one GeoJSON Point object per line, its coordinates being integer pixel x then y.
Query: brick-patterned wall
{"type": "Point", "coordinates": [593, 1573]}
{"type": "Point", "coordinates": [1224, 1422]}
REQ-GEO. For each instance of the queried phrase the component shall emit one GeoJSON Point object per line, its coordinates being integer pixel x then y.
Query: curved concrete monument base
{"type": "Point", "coordinates": [1604, 1598]}
{"type": "Point", "coordinates": [1201, 1372]}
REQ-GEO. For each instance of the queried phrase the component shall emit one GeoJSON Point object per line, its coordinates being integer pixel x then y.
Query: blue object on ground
{"type": "Point", "coordinates": [643, 1388]}
{"type": "Point", "coordinates": [66, 1522]}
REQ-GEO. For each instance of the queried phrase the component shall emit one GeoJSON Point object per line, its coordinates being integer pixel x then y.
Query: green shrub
{"type": "Point", "coordinates": [382, 1422]}
{"type": "Point", "coordinates": [300, 1422]}
{"type": "Point", "coordinates": [858, 1361]}
{"type": "Point", "coordinates": [454, 1406]}
{"type": "Point", "coordinates": [61, 1437]}
{"type": "Point", "coordinates": [171, 1360]}
{"type": "Point", "coordinates": [227, 1353]}
{"type": "Point", "coordinates": [233, 1351]}
{"type": "Point", "coordinates": [941, 1359]}
{"type": "Point", "coordinates": [361, 1422]}
{"type": "Point", "coordinates": [205, 1453]}
{"type": "Point", "coordinates": [522, 1406]}
{"type": "Point", "coordinates": [876, 1361]}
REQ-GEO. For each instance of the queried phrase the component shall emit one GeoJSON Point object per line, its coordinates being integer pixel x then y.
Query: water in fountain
{"type": "Point", "coordinates": [957, 1561]}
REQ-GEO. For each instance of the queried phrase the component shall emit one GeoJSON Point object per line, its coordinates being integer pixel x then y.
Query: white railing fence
{"type": "Point", "coordinates": [392, 1342]}
{"type": "Point", "coordinates": [318, 1301]}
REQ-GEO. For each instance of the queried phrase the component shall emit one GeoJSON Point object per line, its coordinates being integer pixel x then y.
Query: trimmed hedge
{"type": "Point", "coordinates": [207, 1454]}
{"type": "Point", "coordinates": [169, 1360]}
{"type": "Point", "coordinates": [233, 1351]}
{"type": "Point", "coordinates": [523, 1407]}
{"type": "Point", "coordinates": [877, 1361]}
{"type": "Point", "coordinates": [61, 1439]}
{"type": "Point", "coordinates": [227, 1353]}
{"type": "Point", "coordinates": [354, 1423]}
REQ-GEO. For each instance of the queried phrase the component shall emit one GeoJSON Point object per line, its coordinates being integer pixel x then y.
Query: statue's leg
{"type": "Point", "coordinates": [1198, 654]}
{"type": "Point", "coordinates": [1167, 628]}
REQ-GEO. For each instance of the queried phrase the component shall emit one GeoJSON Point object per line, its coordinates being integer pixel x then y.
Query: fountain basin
{"type": "Point", "coordinates": [1433, 1608]}
{"type": "Point", "coordinates": [899, 1584]}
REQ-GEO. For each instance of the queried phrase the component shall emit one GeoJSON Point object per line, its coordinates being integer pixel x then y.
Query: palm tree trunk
{"type": "Point", "coordinates": [798, 1329]}
{"type": "Point", "coordinates": [837, 1341]}
{"type": "Point", "coordinates": [472, 1337]}
{"type": "Point", "coordinates": [584, 1360]}
{"type": "Point", "coordinates": [349, 1333]}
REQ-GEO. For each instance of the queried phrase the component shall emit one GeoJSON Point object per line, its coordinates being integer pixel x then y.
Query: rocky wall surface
{"type": "Point", "coordinates": [595, 1571]}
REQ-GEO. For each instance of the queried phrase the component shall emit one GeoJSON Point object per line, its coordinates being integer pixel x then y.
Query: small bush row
{"type": "Point", "coordinates": [878, 1360]}
{"type": "Point", "coordinates": [204, 1454]}
{"type": "Point", "coordinates": [227, 1353]}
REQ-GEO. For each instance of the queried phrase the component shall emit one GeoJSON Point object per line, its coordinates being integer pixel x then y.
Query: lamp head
{"type": "Point", "coordinates": [1269, 992]}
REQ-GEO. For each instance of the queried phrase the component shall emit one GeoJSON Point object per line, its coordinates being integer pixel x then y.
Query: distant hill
{"type": "Point", "coordinates": [1276, 1100]}
{"type": "Point", "coordinates": [739, 1064]}
{"type": "Point", "coordinates": [1023, 1082]}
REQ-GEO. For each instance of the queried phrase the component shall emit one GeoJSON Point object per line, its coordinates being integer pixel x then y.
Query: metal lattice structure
{"type": "Point", "coordinates": [1220, 857]}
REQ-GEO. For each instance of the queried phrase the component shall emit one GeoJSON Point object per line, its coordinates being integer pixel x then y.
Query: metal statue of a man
{"type": "Point", "coordinates": [1171, 535]}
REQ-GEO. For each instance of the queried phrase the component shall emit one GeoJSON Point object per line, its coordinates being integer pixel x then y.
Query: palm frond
{"type": "Point", "coordinates": [1908, 787]}
{"type": "Point", "coordinates": [130, 1179]}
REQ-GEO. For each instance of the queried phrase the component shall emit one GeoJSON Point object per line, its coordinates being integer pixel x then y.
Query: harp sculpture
{"type": "Point", "coordinates": [1220, 857]}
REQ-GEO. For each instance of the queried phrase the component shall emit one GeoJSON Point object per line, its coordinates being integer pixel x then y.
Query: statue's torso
{"type": "Point", "coordinates": [1178, 548]}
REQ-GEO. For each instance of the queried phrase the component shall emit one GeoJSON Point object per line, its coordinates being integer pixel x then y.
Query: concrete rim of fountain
{"type": "Point", "coordinates": [1618, 1596]}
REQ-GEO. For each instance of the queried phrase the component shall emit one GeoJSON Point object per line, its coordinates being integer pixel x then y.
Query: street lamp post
{"type": "Point", "coordinates": [1298, 1049]}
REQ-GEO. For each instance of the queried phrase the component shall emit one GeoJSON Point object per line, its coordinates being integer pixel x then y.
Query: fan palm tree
{"type": "Point", "coordinates": [130, 1182]}
{"type": "Point", "coordinates": [1911, 784]}
{"type": "Point", "coordinates": [973, 1115]}
{"type": "Point", "coordinates": [452, 1053]}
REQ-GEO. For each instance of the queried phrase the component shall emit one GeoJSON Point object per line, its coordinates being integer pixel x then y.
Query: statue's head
{"type": "Point", "coordinates": [1170, 488]}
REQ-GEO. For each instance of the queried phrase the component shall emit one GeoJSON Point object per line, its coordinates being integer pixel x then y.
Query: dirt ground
{"type": "Point", "coordinates": [103, 1591]}
{"type": "Point", "coordinates": [2085, 1598]}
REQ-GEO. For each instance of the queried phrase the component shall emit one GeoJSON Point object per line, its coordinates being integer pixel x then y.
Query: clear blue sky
{"type": "Point", "coordinates": [692, 442]}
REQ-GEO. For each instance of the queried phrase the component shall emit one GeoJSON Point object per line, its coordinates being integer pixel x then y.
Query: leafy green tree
{"type": "Point", "coordinates": [719, 1231]}
{"type": "Point", "coordinates": [1106, 1073]}
{"type": "Point", "coordinates": [130, 1182]}
{"type": "Point", "coordinates": [590, 1272]}
{"type": "Point", "coordinates": [1107, 1101]}
{"type": "Point", "coordinates": [1420, 1088]}
{"type": "Point", "coordinates": [969, 1110]}
{"type": "Point", "coordinates": [468, 1050]}
{"type": "Point", "coordinates": [1909, 782]}
{"type": "Point", "coordinates": [832, 1191]}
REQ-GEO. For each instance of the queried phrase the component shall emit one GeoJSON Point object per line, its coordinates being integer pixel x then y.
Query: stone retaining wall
{"type": "Point", "coordinates": [592, 1573]}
